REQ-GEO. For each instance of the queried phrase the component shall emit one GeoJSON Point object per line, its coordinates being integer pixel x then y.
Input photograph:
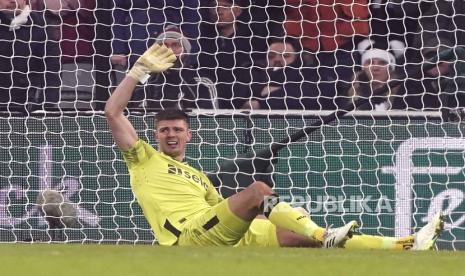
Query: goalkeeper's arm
{"type": "Point", "coordinates": [156, 59]}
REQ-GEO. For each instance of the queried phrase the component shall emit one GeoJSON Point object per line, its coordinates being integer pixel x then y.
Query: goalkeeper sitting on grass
{"type": "Point", "coordinates": [182, 206]}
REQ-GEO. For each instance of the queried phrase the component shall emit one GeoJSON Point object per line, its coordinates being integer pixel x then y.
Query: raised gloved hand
{"type": "Point", "coordinates": [156, 59]}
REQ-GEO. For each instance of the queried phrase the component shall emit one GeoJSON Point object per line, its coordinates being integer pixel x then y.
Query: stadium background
{"type": "Point", "coordinates": [347, 160]}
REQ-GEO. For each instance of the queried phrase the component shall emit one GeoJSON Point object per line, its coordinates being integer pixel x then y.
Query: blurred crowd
{"type": "Point", "coordinates": [235, 54]}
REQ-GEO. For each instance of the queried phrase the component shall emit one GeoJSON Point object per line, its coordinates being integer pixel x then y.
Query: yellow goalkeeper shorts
{"type": "Point", "coordinates": [261, 233]}
{"type": "Point", "coordinates": [219, 226]}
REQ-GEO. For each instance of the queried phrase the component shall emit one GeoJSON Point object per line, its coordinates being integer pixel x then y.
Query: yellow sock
{"type": "Point", "coordinates": [286, 217]}
{"type": "Point", "coordinates": [379, 242]}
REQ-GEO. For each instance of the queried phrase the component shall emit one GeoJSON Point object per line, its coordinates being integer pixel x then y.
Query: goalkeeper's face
{"type": "Point", "coordinates": [172, 137]}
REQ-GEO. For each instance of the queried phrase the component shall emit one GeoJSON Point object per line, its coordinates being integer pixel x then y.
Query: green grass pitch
{"type": "Point", "coordinates": [113, 260]}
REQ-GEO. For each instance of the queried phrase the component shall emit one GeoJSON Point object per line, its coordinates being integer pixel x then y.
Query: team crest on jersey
{"type": "Point", "coordinates": [179, 171]}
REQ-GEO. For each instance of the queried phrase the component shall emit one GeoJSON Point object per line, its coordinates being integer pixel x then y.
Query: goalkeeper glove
{"type": "Point", "coordinates": [156, 59]}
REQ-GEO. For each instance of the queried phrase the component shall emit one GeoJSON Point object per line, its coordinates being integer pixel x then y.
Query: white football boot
{"type": "Point", "coordinates": [336, 237]}
{"type": "Point", "coordinates": [428, 234]}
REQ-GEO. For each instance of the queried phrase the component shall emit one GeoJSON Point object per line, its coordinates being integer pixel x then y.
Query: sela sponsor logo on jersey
{"type": "Point", "coordinates": [188, 175]}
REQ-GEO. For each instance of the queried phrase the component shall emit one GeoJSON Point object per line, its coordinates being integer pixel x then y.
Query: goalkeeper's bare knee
{"type": "Point", "coordinates": [264, 197]}
{"type": "Point", "coordinates": [261, 191]}
{"type": "Point", "coordinates": [250, 202]}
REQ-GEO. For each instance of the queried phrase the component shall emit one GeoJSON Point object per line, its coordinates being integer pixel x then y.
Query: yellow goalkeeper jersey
{"type": "Point", "coordinates": [169, 192]}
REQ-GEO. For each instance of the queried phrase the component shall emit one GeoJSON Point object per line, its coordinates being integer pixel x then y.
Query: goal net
{"type": "Point", "coordinates": [251, 74]}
